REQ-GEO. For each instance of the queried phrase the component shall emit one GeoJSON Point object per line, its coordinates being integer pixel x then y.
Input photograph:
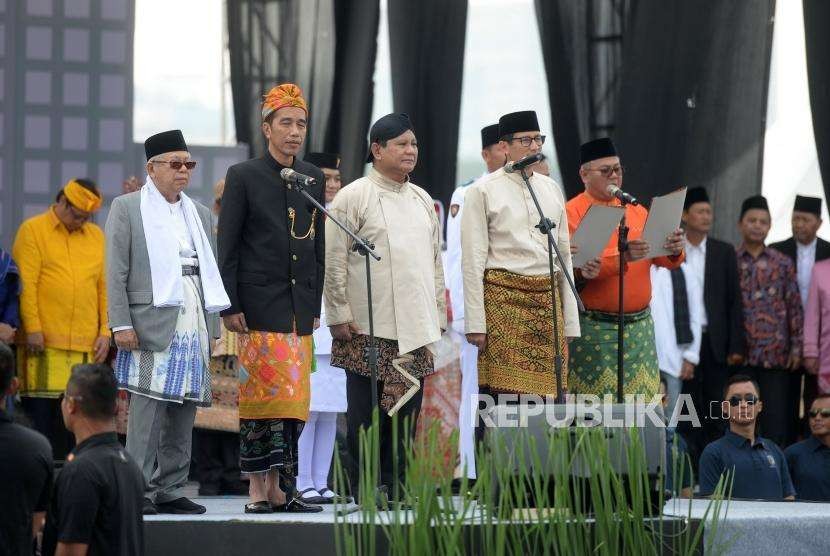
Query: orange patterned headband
{"type": "Point", "coordinates": [80, 197]}
{"type": "Point", "coordinates": [282, 96]}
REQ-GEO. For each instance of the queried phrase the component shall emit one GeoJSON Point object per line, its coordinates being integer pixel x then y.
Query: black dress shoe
{"type": "Point", "coordinates": [180, 506]}
{"type": "Point", "coordinates": [297, 506]}
{"type": "Point", "coordinates": [261, 507]}
{"type": "Point", "coordinates": [148, 508]}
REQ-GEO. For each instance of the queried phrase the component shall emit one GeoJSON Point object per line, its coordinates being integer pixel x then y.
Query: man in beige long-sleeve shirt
{"type": "Point", "coordinates": [506, 272]}
{"type": "Point", "coordinates": [408, 300]}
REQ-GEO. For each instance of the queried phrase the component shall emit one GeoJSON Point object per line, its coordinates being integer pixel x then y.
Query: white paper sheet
{"type": "Point", "coordinates": [663, 218]}
{"type": "Point", "coordinates": [594, 231]}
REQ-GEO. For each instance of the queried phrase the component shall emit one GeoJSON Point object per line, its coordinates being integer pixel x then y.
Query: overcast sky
{"type": "Point", "coordinates": [178, 79]}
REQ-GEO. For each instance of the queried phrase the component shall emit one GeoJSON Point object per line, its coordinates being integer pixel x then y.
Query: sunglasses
{"type": "Point", "coordinates": [750, 399]}
{"type": "Point", "coordinates": [177, 164]}
{"type": "Point", "coordinates": [824, 412]}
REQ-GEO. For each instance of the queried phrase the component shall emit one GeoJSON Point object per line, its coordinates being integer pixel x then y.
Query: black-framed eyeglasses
{"type": "Point", "coordinates": [608, 171]}
{"type": "Point", "coordinates": [177, 164]}
{"type": "Point", "coordinates": [824, 412]}
{"type": "Point", "coordinates": [750, 399]}
{"type": "Point", "coordinates": [526, 141]}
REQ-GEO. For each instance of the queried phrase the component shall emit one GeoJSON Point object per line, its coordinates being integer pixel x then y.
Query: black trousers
{"type": "Point", "coordinates": [359, 414]}
{"type": "Point", "coordinates": [216, 461]}
{"type": "Point", "coordinates": [706, 391]}
{"type": "Point", "coordinates": [776, 421]}
{"type": "Point", "coordinates": [45, 415]}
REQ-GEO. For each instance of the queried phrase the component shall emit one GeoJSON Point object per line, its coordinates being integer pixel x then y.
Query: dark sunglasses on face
{"type": "Point", "coordinates": [750, 399]}
{"type": "Point", "coordinates": [824, 412]}
{"type": "Point", "coordinates": [177, 164]}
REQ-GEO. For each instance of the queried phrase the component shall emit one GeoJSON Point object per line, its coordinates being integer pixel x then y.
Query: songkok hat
{"type": "Point", "coordinates": [164, 142]}
{"type": "Point", "coordinates": [598, 148]}
{"type": "Point", "coordinates": [323, 160]}
{"type": "Point", "coordinates": [518, 121]}
{"type": "Point", "coordinates": [755, 202]}
{"type": "Point", "coordinates": [489, 135]}
{"type": "Point", "coordinates": [81, 197]}
{"type": "Point", "coordinates": [282, 96]}
{"type": "Point", "coordinates": [808, 204]}
{"type": "Point", "coordinates": [386, 128]}
{"type": "Point", "coordinates": [695, 195]}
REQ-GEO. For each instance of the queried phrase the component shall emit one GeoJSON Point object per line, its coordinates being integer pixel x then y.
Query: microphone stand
{"type": "Point", "coordinates": [365, 248]}
{"type": "Point", "coordinates": [622, 247]}
{"type": "Point", "coordinates": [546, 226]}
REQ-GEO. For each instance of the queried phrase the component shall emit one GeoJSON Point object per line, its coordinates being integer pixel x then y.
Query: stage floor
{"type": "Point", "coordinates": [758, 528]}
{"type": "Point", "coordinates": [232, 508]}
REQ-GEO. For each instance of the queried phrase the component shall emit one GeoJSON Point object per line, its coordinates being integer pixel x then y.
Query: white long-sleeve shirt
{"type": "Point", "coordinates": [670, 355]}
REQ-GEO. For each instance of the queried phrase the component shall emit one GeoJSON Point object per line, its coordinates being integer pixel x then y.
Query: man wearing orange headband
{"type": "Point", "coordinates": [271, 257]}
{"type": "Point", "coordinates": [63, 303]}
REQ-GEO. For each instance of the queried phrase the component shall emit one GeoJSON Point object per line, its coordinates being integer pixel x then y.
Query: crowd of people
{"type": "Point", "coordinates": [260, 306]}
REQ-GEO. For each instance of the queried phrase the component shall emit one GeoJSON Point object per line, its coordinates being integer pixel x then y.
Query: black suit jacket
{"type": "Point", "coordinates": [722, 299]}
{"type": "Point", "coordinates": [271, 274]}
{"type": "Point", "coordinates": [788, 247]}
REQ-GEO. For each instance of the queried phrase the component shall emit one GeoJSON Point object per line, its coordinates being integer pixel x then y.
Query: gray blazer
{"type": "Point", "coordinates": [129, 286]}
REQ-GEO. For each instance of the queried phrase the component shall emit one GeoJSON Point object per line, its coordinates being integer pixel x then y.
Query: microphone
{"type": "Point", "coordinates": [291, 176]}
{"type": "Point", "coordinates": [624, 197]}
{"type": "Point", "coordinates": [519, 165]}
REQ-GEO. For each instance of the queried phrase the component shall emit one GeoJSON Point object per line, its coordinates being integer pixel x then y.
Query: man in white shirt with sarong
{"type": "Point", "coordinates": [507, 282]}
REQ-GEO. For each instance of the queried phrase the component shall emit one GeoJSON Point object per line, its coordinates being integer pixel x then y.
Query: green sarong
{"type": "Point", "coordinates": [593, 356]}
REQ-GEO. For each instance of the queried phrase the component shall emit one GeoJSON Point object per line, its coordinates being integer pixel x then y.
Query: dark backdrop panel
{"type": "Point", "coordinates": [817, 39]}
{"type": "Point", "coordinates": [582, 49]}
{"type": "Point", "coordinates": [356, 29]}
{"type": "Point", "coordinates": [278, 41]}
{"type": "Point", "coordinates": [693, 100]}
{"type": "Point", "coordinates": [426, 41]}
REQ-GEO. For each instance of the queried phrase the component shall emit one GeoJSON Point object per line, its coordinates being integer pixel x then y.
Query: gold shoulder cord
{"type": "Point", "coordinates": [292, 215]}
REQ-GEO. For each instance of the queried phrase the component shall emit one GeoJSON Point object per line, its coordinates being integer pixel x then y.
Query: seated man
{"type": "Point", "coordinates": [754, 466]}
{"type": "Point", "coordinates": [809, 460]}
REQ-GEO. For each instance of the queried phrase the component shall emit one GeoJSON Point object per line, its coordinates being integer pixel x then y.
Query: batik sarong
{"type": "Point", "coordinates": [519, 356]}
{"type": "Point", "coordinates": [593, 361]}
{"type": "Point", "coordinates": [351, 356]}
{"type": "Point", "coordinates": [274, 396]}
{"type": "Point", "coordinates": [180, 372]}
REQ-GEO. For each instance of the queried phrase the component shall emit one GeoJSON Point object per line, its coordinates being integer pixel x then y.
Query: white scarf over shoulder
{"type": "Point", "coordinates": [163, 249]}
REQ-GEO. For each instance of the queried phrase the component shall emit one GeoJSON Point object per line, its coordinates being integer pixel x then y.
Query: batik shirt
{"type": "Point", "coordinates": [773, 316]}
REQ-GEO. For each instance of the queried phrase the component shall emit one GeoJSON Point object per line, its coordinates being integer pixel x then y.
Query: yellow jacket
{"type": "Point", "coordinates": [64, 294]}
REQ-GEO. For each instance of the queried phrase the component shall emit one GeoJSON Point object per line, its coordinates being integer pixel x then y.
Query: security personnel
{"type": "Point", "coordinates": [756, 466]}
{"type": "Point", "coordinates": [98, 498]}
{"type": "Point", "coordinates": [809, 460]}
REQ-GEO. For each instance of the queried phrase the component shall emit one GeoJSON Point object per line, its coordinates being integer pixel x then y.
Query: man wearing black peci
{"type": "Point", "coordinates": [805, 249]}
{"type": "Point", "coordinates": [714, 265]}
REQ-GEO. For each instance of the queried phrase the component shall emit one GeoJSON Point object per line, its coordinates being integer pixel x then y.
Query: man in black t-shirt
{"type": "Point", "coordinates": [25, 471]}
{"type": "Point", "coordinates": [99, 492]}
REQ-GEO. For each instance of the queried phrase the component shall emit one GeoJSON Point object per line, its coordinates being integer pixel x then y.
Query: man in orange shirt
{"type": "Point", "coordinates": [593, 356]}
